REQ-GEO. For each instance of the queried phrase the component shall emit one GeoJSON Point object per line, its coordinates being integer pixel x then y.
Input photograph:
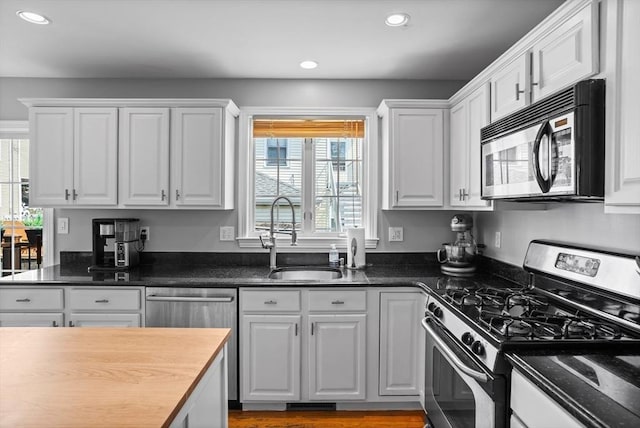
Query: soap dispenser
{"type": "Point", "coordinates": [334, 257]}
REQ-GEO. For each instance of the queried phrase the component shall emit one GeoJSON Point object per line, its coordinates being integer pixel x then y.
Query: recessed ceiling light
{"type": "Point", "coordinates": [308, 65]}
{"type": "Point", "coordinates": [33, 17]}
{"type": "Point", "coordinates": [397, 19]}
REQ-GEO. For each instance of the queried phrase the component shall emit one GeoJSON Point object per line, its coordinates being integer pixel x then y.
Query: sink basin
{"type": "Point", "coordinates": [306, 273]}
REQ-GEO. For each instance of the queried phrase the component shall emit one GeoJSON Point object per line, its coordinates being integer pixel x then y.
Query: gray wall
{"type": "Point", "coordinates": [582, 223]}
{"type": "Point", "coordinates": [423, 230]}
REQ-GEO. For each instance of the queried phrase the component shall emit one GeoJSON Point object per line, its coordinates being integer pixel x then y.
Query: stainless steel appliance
{"type": "Point", "coordinates": [457, 257]}
{"type": "Point", "coordinates": [578, 300]}
{"type": "Point", "coordinates": [122, 252]}
{"type": "Point", "coordinates": [198, 307]}
{"type": "Point", "coordinates": [553, 149]}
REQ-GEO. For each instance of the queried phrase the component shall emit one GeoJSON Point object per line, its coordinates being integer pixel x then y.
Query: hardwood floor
{"type": "Point", "coordinates": [326, 419]}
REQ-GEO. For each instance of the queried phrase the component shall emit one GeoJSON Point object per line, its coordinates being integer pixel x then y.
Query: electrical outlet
{"type": "Point", "coordinates": [63, 225]}
{"type": "Point", "coordinates": [396, 234]}
{"type": "Point", "coordinates": [497, 240]}
{"type": "Point", "coordinates": [227, 233]}
{"type": "Point", "coordinates": [145, 234]}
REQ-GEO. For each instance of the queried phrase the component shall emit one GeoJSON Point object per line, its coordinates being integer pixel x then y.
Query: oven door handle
{"type": "Point", "coordinates": [451, 356]}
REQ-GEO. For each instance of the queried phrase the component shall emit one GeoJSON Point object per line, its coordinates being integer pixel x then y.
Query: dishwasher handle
{"type": "Point", "coordinates": [219, 299]}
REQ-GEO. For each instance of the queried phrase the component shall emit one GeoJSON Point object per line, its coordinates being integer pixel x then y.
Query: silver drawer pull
{"type": "Point", "coordinates": [270, 302]}
{"type": "Point", "coordinates": [26, 300]}
{"type": "Point", "coordinates": [102, 301]}
{"type": "Point", "coordinates": [337, 302]}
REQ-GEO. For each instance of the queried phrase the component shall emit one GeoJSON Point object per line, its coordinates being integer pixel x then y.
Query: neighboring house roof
{"type": "Point", "coordinates": [266, 185]}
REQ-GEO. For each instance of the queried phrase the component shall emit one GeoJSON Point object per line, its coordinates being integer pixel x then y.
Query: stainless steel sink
{"type": "Point", "coordinates": [306, 273]}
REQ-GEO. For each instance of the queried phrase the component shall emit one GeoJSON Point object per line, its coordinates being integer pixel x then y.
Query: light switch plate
{"type": "Point", "coordinates": [396, 234]}
{"type": "Point", "coordinates": [227, 233]}
{"type": "Point", "coordinates": [63, 225]}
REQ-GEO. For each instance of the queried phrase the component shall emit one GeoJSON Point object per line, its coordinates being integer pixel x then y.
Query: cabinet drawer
{"type": "Point", "coordinates": [271, 301]}
{"type": "Point", "coordinates": [31, 299]}
{"type": "Point", "coordinates": [104, 299]}
{"type": "Point", "coordinates": [337, 300]}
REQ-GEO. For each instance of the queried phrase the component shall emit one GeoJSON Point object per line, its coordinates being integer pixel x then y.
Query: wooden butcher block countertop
{"type": "Point", "coordinates": [101, 377]}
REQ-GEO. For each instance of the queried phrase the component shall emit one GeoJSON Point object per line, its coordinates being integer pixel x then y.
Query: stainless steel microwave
{"type": "Point", "coordinates": [551, 150]}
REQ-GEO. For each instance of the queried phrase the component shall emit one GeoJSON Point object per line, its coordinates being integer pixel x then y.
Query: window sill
{"type": "Point", "coordinates": [305, 244]}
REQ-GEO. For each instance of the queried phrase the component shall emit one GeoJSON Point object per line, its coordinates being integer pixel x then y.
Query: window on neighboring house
{"type": "Point", "coordinates": [276, 152]}
{"type": "Point", "coordinates": [318, 163]}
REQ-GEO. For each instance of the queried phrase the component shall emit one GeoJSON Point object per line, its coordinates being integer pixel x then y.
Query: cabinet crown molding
{"type": "Point", "coordinates": [132, 102]}
{"type": "Point", "coordinates": [388, 104]}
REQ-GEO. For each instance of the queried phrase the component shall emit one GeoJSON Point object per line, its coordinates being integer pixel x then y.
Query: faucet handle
{"type": "Point", "coordinates": [294, 238]}
{"type": "Point", "coordinates": [267, 244]}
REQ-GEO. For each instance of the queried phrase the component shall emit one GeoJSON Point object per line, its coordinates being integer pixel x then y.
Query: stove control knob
{"type": "Point", "coordinates": [477, 348]}
{"type": "Point", "coordinates": [435, 310]}
{"type": "Point", "coordinates": [467, 339]}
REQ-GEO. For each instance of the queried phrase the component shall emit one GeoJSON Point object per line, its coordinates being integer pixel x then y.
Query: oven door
{"type": "Point", "coordinates": [459, 392]}
{"type": "Point", "coordinates": [538, 161]}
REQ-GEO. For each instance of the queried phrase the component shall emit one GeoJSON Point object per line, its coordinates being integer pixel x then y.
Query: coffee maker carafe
{"type": "Point", "coordinates": [115, 244]}
{"type": "Point", "coordinates": [457, 258]}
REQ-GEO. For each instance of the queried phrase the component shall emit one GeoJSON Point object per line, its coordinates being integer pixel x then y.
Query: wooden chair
{"type": "Point", "coordinates": [18, 229]}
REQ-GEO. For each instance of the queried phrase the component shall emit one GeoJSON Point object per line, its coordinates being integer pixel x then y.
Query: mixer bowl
{"type": "Point", "coordinates": [457, 255]}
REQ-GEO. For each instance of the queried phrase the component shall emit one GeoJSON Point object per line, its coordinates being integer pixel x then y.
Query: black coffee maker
{"type": "Point", "coordinates": [115, 244]}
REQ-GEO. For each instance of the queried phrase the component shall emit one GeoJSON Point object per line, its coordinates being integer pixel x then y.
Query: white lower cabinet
{"type": "Point", "coordinates": [337, 356]}
{"type": "Point", "coordinates": [71, 306]}
{"type": "Point", "coordinates": [270, 357]}
{"type": "Point", "coordinates": [31, 307]}
{"type": "Point", "coordinates": [302, 345]}
{"type": "Point", "coordinates": [401, 342]}
{"type": "Point", "coordinates": [532, 408]}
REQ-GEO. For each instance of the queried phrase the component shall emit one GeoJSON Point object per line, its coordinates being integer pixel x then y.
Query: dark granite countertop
{"type": "Point", "coordinates": [599, 390]}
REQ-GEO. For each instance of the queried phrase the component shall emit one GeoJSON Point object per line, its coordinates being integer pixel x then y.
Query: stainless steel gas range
{"type": "Point", "coordinates": [577, 300]}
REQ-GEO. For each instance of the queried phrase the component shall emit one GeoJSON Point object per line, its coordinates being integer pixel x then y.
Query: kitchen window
{"type": "Point", "coordinates": [22, 225]}
{"type": "Point", "coordinates": [322, 161]}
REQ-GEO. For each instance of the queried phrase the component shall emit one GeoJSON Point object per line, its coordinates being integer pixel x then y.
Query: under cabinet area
{"type": "Point", "coordinates": [413, 153]}
{"type": "Point", "coordinates": [565, 54]}
{"type": "Point", "coordinates": [132, 153]}
{"type": "Point", "coordinates": [73, 156]}
{"type": "Point", "coordinates": [71, 306]}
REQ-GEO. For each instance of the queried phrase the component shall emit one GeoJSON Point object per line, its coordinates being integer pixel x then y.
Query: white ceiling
{"type": "Point", "coordinates": [445, 39]}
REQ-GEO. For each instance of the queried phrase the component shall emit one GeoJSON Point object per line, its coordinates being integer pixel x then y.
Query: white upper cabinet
{"type": "Point", "coordinates": [132, 153]}
{"type": "Point", "coordinates": [413, 154]}
{"type": "Point", "coordinates": [73, 156]}
{"type": "Point", "coordinates": [622, 182]}
{"type": "Point", "coordinates": [554, 56]}
{"type": "Point", "coordinates": [508, 88]}
{"type": "Point", "coordinates": [468, 117]}
{"type": "Point", "coordinates": [144, 156]}
{"type": "Point", "coordinates": [202, 161]}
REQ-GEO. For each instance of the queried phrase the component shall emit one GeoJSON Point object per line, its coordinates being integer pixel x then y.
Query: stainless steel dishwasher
{"type": "Point", "coordinates": [198, 307]}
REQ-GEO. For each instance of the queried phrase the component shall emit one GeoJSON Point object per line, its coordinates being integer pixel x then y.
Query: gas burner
{"type": "Point", "coordinates": [515, 328]}
{"type": "Point", "coordinates": [577, 328]}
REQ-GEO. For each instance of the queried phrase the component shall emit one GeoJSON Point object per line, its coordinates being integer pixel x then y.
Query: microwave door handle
{"type": "Point", "coordinates": [545, 184]}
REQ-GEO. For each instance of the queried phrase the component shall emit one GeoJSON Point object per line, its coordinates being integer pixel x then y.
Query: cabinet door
{"type": "Point", "coordinates": [95, 156]}
{"type": "Point", "coordinates": [400, 343]}
{"type": "Point", "coordinates": [458, 154]}
{"type": "Point", "coordinates": [51, 156]}
{"type": "Point", "coordinates": [270, 358]}
{"type": "Point", "coordinates": [197, 156]}
{"type": "Point", "coordinates": [622, 194]}
{"type": "Point", "coordinates": [337, 357]}
{"type": "Point", "coordinates": [144, 156]}
{"type": "Point", "coordinates": [104, 320]}
{"type": "Point", "coordinates": [567, 55]}
{"type": "Point", "coordinates": [477, 118]}
{"type": "Point", "coordinates": [18, 319]}
{"type": "Point", "coordinates": [509, 88]}
{"type": "Point", "coordinates": [417, 155]}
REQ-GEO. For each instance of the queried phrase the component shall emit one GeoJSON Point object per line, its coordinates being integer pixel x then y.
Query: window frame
{"type": "Point", "coordinates": [247, 237]}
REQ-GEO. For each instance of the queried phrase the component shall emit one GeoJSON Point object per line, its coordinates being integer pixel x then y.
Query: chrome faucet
{"type": "Point", "coordinates": [271, 243]}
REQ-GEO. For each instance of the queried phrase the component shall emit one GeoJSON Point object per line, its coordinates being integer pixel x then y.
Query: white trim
{"type": "Point", "coordinates": [132, 102]}
{"type": "Point", "coordinates": [247, 239]}
{"type": "Point", "coordinates": [14, 129]}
